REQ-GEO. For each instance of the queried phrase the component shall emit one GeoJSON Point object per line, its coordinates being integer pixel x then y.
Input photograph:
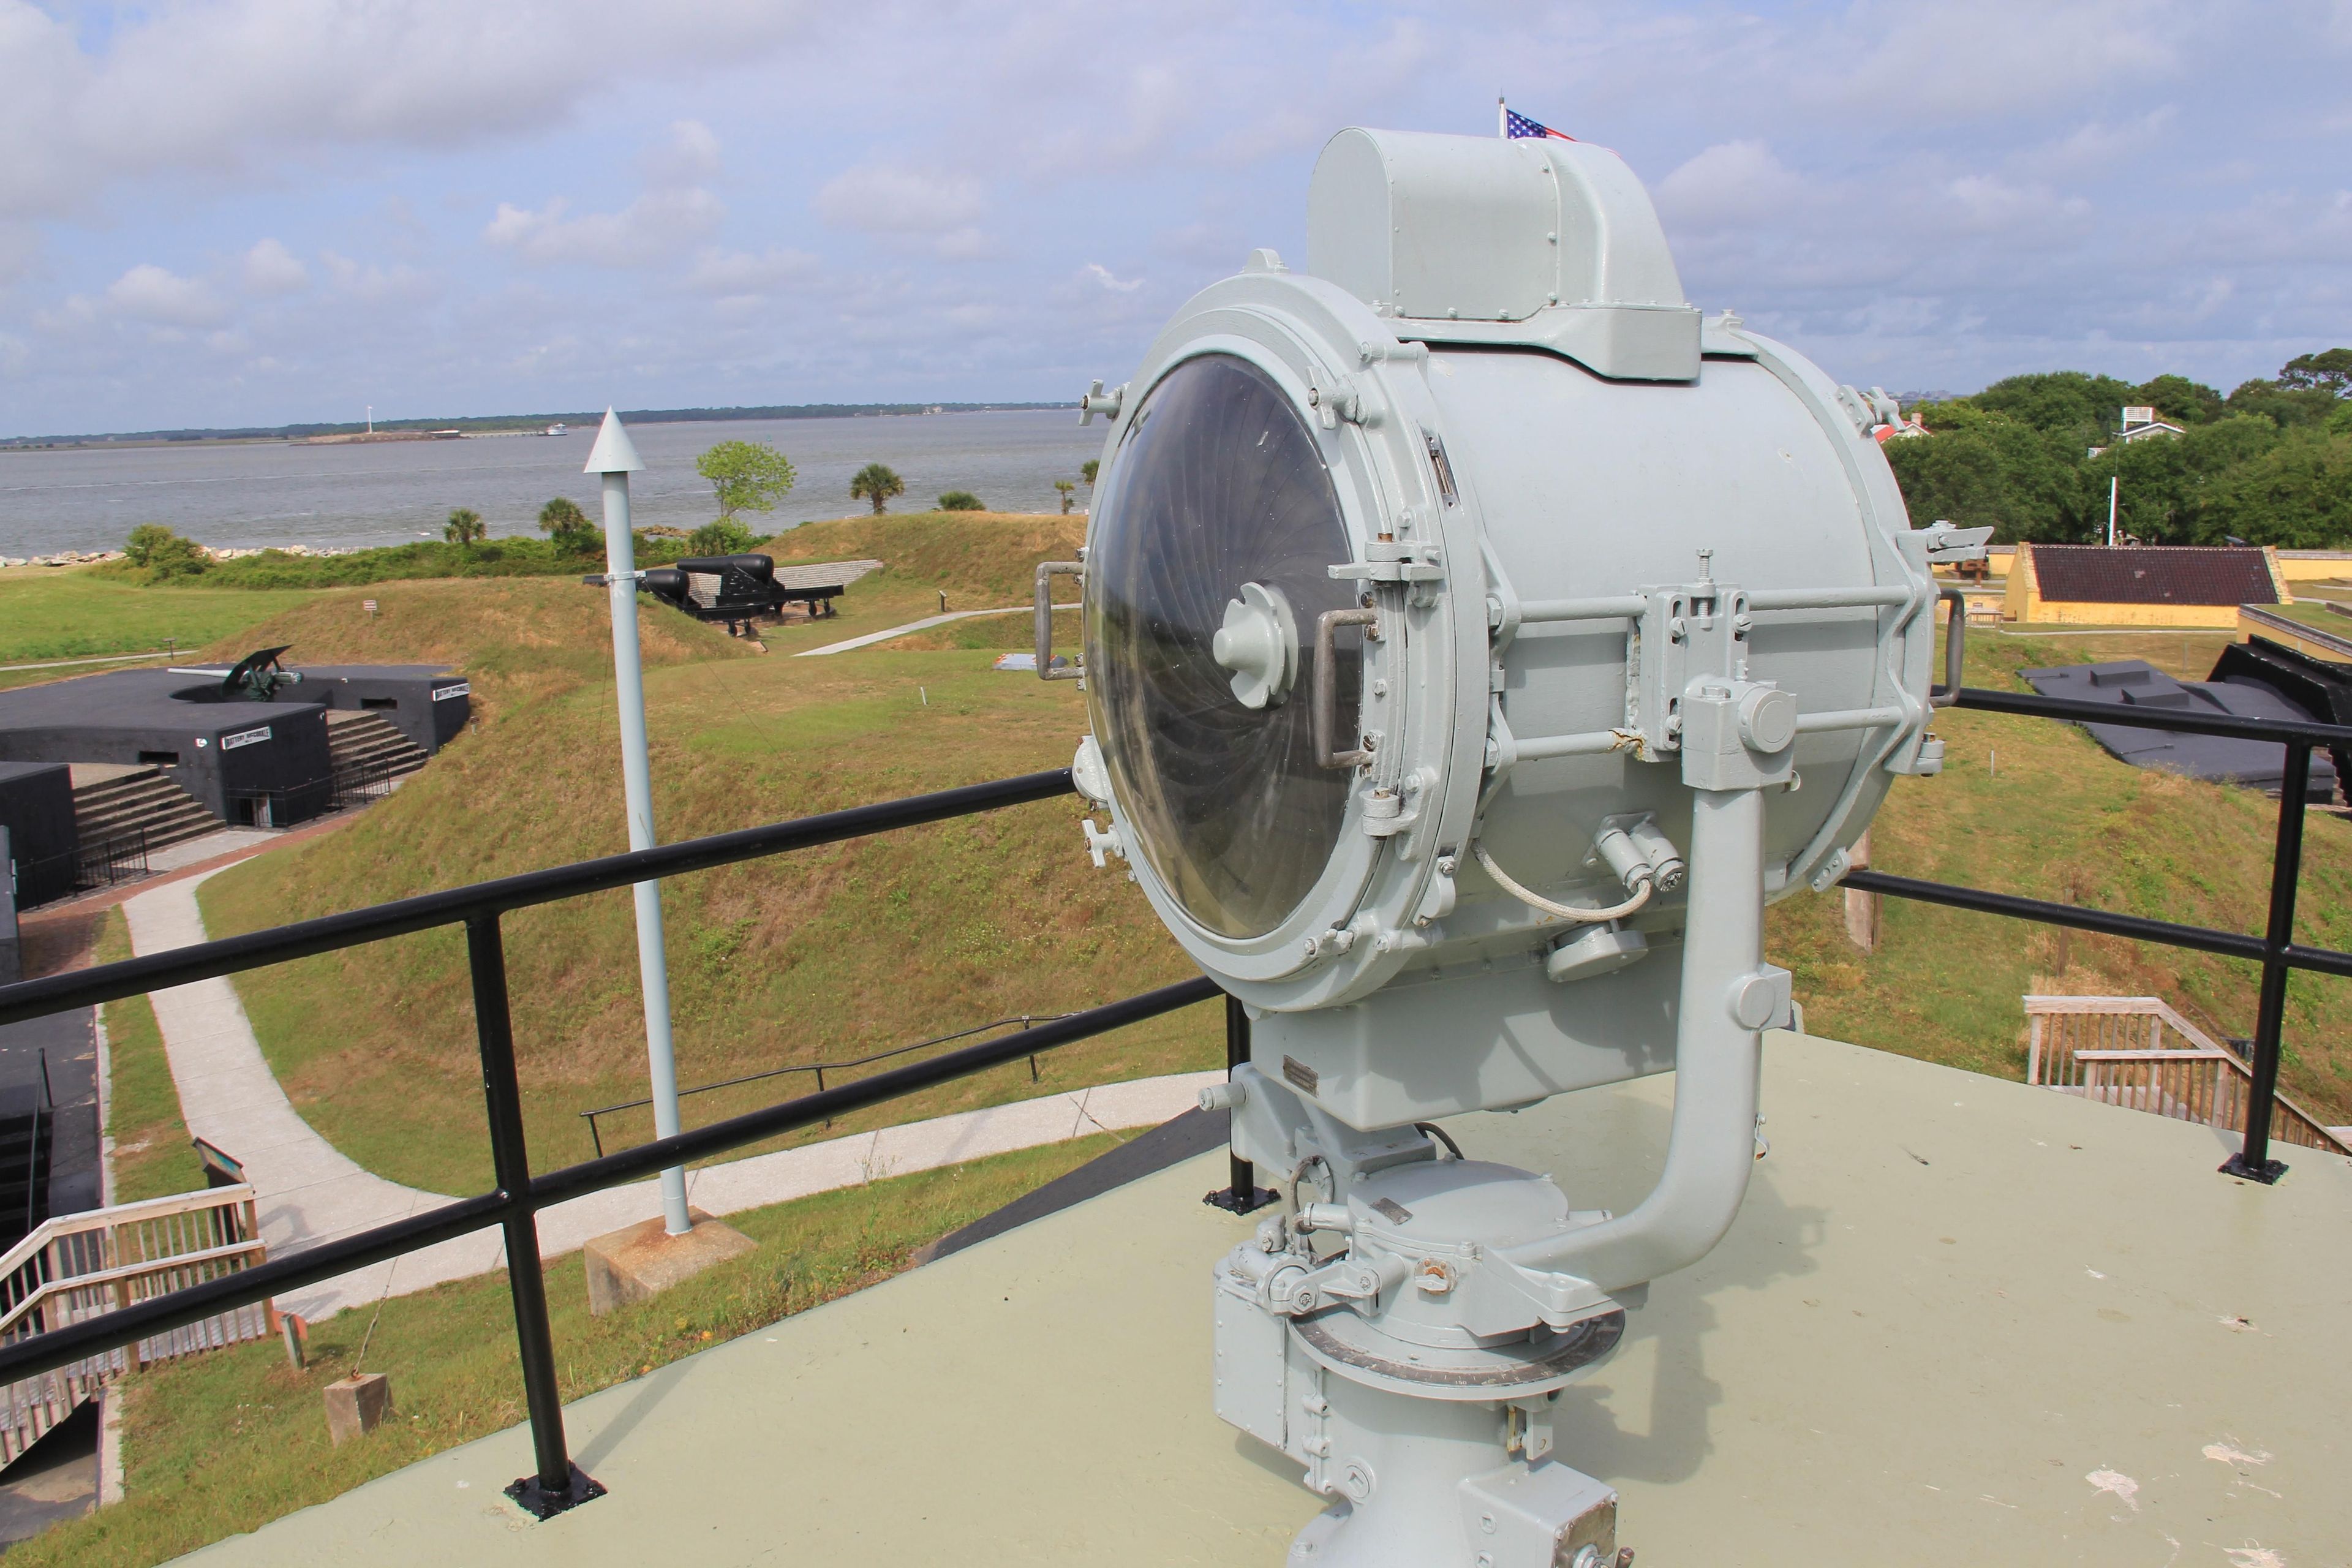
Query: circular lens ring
{"type": "Point", "coordinates": [1219, 481]}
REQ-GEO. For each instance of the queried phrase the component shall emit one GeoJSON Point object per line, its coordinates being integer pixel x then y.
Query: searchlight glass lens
{"type": "Point", "coordinates": [1218, 482]}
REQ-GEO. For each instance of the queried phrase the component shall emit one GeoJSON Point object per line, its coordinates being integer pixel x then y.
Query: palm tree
{"type": "Point", "coordinates": [878, 484]}
{"type": "Point", "coordinates": [1065, 487]}
{"type": "Point", "coordinates": [562, 519]}
{"type": "Point", "coordinates": [1088, 468]}
{"type": "Point", "coordinates": [464, 527]}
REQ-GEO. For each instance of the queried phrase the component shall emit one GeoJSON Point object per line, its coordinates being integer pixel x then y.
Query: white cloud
{"type": "Point", "coordinates": [1732, 183]}
{"type": "Point", "coordinates": [218, 88]}
{"type": "Point", "coordinates": [1943, 63]}
{"type": "Point", "coordinates": [675, 212]}
{"type": "Point", "coordinates": [735, 272]}
{"type": "Point", "coordinates": [686, 156]}
{"type": "Point", "coordinates": [1102, 275]}
{"type": "Point", "coordinates": [374, 283]}
{"type": "Point", "coordinates": [1986, 203]}
{"type": "Point", "coordinates": [2094, 145]}
{"type": "Point", "coordinates": [891, 199]}
{"type": "Point", "coordinates": [271, 268]}
{"type": "Point", "coordinates": [150, 293]}
{"type": "Point", "coordinates": [655, 227]}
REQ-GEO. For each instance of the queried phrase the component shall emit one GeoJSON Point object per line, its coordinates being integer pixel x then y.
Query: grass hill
{"type": "Point", "coordinates": [823, 956]}
{"type": "Point", "coordinates": [520, 640]}
{"type": "Point", "coordinates": [47, 613]}
{"type": "Point", "coordinates": [2028, 807]}
{"type": "Point", "coordinates": [987, 558]}
{"type": "Point", "coordinates": [837, 952]}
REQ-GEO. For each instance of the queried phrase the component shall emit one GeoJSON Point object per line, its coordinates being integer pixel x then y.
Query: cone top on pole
{"type": "Point", "coordinates": [613, 452]}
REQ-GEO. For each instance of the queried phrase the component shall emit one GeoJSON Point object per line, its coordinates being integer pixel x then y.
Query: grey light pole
{"type": "Point", "coordinates": [615, 456]}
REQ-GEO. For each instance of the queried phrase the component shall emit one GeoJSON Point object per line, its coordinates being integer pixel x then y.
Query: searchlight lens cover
{"type": "Point", "coordinates": [1217, 483]}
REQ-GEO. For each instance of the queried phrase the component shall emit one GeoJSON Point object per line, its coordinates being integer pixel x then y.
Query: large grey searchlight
{"type": "Point", "coordinates": [1475, 640]}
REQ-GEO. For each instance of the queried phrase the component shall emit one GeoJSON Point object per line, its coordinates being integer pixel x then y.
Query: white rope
{"type": "Point", "coordinates": [1565, 911]}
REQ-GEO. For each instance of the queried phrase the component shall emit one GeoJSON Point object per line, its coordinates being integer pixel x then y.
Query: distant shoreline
{"type": "Point", "coordinates": [492, 425]}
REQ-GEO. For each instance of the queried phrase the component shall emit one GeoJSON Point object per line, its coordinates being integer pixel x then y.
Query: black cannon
{"type": "Point", "coordinates": [738, 589]}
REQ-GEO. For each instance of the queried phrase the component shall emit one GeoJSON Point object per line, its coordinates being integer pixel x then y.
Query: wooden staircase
{"type": "Point", "coordinates": [119, 802]}
{"type": "Point", "coordinates": [368, 752]}
{"type": "Point", "coordinates": [2119, 1050]}
{"type": "Point", "coordinates": [83, 1266]}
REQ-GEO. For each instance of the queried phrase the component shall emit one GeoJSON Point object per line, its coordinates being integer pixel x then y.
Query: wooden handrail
{"type": "Point", "coordinates": [2182, 1054]}
{"type": "Point", "coordinates": [255, 1251]}
{"type": "Point", "coordinates": [59, 1226]}
{"type": "Point", "coordinates": [2114, 1027]}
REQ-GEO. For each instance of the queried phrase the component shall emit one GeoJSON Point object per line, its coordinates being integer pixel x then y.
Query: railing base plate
{"type": "Point", "coordinates": [1234, 1200]}
{"type": "Point", "coordinates": [541, 1503]}
{"type": "Point", "coordinates": [2267, 1172]}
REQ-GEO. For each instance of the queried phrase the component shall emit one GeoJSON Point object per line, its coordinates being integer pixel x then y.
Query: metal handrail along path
{"type": "Point", "coordinates": [1026, 1020]}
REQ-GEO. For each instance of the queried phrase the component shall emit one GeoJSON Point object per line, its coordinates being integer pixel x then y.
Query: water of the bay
{"type": "Point", "coordinates": [238, 495]}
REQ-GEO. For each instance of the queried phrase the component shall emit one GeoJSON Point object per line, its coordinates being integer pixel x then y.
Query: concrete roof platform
{"type": "Point", "coordinates": [1959, 1321]}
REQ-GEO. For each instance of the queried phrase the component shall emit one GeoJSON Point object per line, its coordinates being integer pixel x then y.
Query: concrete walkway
{"type": "Point", "coordinates": [307, 1192]}
{"type": "Point", "coordinates": [870, 638]}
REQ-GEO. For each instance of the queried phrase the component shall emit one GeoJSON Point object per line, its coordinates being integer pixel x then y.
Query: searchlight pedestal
{"type": "Point", "coordinates": [1475, 641]}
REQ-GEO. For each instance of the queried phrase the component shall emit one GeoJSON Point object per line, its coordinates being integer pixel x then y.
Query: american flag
{"type": "Point", "coordinates": [1517, 124]}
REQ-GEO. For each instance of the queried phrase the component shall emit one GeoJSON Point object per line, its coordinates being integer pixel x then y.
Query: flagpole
{"type": "Point", "coordinates": [1502, 119]}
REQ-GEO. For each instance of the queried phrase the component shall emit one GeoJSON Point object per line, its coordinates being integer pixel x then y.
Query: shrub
{"type": "Point", "coordinates": [165, 554]}
{"type": "Point", "coordinates": [724, 536]}
{"type": "Point", "coordinates": [961, 501]}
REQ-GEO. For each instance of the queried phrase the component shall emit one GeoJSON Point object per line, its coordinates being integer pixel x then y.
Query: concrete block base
{"type": "Point", "coordinates": [356, 1405]}
{"type": "Point", "coordinates": [641, 1261]}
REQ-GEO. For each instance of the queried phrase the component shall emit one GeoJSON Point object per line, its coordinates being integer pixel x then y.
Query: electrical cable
{"type": "Point", "coordinates": [1565, 911]}
{"type": "Point", "coordinates": [1435, 1131]}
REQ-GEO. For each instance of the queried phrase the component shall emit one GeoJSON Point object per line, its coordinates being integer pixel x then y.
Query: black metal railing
{"type": "Point", "coordinates": [513, 1206]}
{"type": "Point", "coordinates": [596, 1136]}
{"type": "Point", "coordinates": [117, 859]}
{"type": "Point", "coordinates": [356, 784]}
{"type": "Point", "coordinates": [2276, 951]}
{"type": "Point", "coordinates": [519, 1194]}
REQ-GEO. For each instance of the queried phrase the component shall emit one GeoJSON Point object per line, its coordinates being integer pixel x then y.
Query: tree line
{"type": "Point", "coordinates": [746, 477]}
{"type": "Point", "coordinates": [2033, 455]}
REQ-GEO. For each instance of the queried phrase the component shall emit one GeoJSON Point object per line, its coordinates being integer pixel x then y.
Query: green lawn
{"type": "Point", "coordinates": [68, 613]}
{"type": "Point", "coordinates": [225, 1443]}
{"type": "Point", "coordinates": [152, 1156]}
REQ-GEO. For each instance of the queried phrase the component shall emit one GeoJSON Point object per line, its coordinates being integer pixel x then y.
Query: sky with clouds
{"type": "Point", "coordinates": [228, 212]}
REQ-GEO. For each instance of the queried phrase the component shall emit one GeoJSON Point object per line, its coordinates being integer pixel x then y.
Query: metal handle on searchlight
{"type": "Point", "coordinates": [1327, 683]}
{"type": "Point", "coordinates": [1956, 645]}
{"type": "Point", "coordinates": [1046, 572]}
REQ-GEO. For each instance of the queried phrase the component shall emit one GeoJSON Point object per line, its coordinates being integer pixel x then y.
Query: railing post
{"type": "Point", "coordinates": [558, 1484]}
{"type": "Point", "coordinates": [1241, 1193]}
{"type": "Point", "coordinates": [2254, 1161]}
